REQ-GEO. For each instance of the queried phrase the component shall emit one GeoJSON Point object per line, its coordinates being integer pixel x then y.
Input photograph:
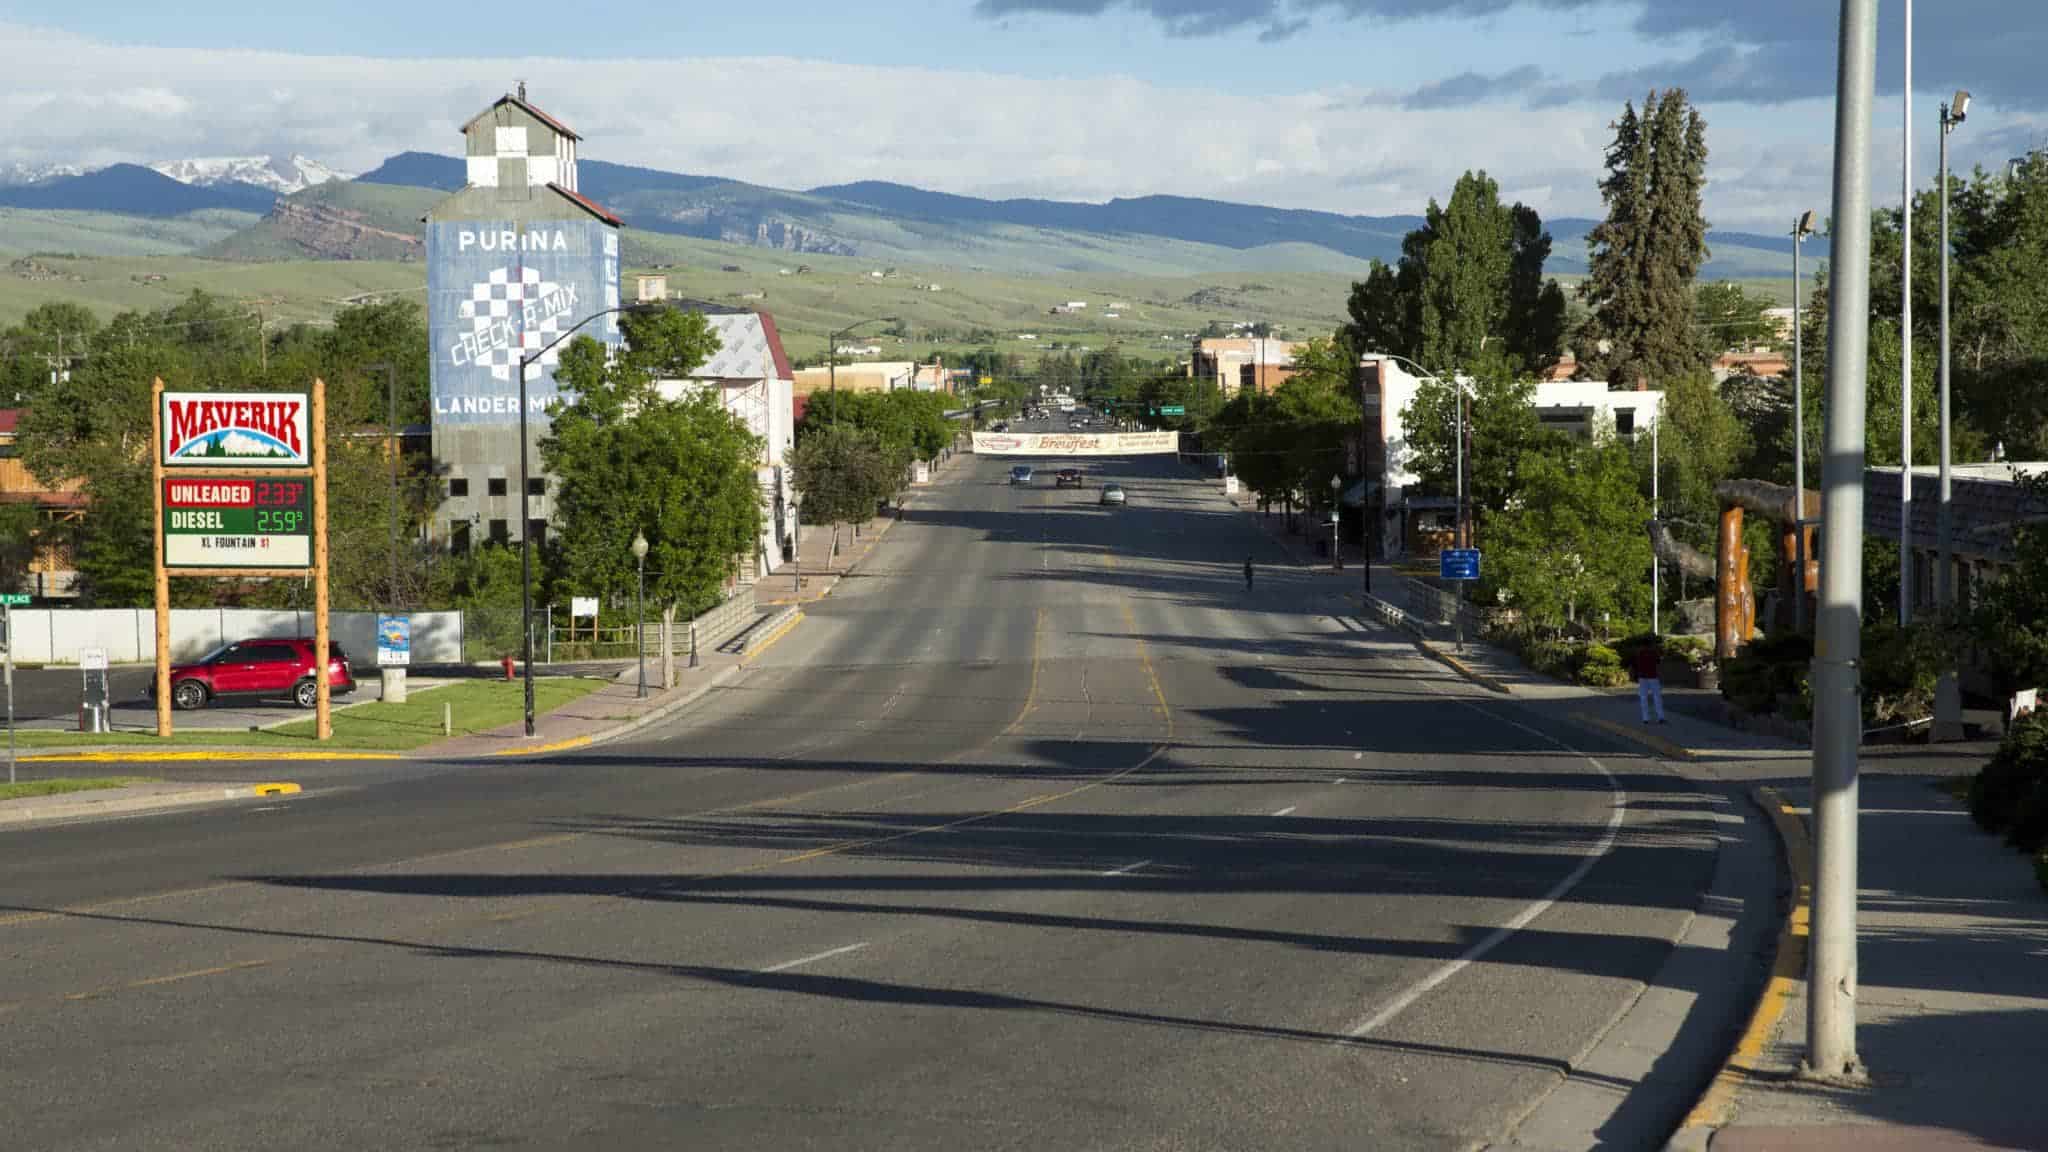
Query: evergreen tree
{"type": "Point", "coordinates": [1648, 251]}
{"type": "Point", "coordinates": [1469, 287]}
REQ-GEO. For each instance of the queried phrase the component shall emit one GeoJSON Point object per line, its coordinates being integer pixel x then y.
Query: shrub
{"type": "Point", "coordinates": [2010, 793]}
{"type": "Point", "coordinates": [1773, 666]}
{"type": "Point", "coordinates": [1900, 667]}
{"type": "Point", "coordinates": [1602, 668]}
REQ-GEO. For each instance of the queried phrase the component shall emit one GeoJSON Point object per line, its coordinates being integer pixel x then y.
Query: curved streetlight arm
{"type": "Point", "coordinates": [529, 358]}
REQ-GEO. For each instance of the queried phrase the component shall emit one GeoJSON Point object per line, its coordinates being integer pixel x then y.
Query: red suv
{"type": "Point", "coordinates": [277, 669]}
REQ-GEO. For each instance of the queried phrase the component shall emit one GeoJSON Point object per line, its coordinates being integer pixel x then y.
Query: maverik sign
{"type": "Point", "coordinates": [1065, 444]}
{"type": "Point", "coordinates": [497, 292]}
{"type": "Point", "coordinates": [235, 429]}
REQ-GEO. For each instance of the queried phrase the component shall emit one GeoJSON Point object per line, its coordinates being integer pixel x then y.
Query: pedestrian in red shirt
{"type": "Point", "coordinates": [1649, 684]}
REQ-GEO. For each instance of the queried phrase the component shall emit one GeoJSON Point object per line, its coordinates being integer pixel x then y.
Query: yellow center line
{"type": "Point", "coordinates": [154, 981]}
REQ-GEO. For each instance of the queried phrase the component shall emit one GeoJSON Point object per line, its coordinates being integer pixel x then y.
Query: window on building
{"type": "Point", "coordinates": [495, 485]}
{"type": "Point", "coordinates": [458, 487]}
{"type": "Point", "coordinates": [458, 537]}
{"type": "Point", "coordinates": [537, 531]}
{"type": "Point", "coordinates": [1624, 421]}
{"type": "Point", "coordinates": [536, 486]}
{"type": "Point", "coordinates": [501, 531]}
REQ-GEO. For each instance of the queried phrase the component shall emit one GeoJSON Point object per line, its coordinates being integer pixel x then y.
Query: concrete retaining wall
{"type": "Point", "coordinates": [56, 635]}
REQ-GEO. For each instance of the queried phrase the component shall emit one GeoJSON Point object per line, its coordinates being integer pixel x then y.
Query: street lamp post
{"type": "Point", "coordinates": [640, 609]}
{"type": "Point", "coordinates": [526, 362]}
{"type": "Point", "coordinates": [1336, 487]}
{"type": "Point", "coordinates": [1801, 229]}
{"type": "Point", "coordinates": [832, 347]}
{"type": "Point", "coordinates": [1906, 339]}
{"type": "Point", "coordinates": [1952, 114]}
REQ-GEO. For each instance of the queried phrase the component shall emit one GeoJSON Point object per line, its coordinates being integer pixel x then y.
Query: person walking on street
{"type": "Point", "coordinates": [1649, 685]}
{"type": "Point", "coordinates": [1247, 573]}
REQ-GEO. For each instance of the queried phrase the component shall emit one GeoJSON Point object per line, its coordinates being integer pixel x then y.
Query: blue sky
{"type": "Point", "coordinates": [1366, 106]}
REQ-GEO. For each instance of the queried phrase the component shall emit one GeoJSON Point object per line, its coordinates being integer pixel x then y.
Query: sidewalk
{"type": "Point", "coordinates": [1952, 949]}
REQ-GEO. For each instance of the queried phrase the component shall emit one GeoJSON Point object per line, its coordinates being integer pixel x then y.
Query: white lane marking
{"type": "Point", "coordinates": [1526, 916]}
{"type": "Point", "coordinates": [267, 808]}
{"type": "Point", "coordinates": [1126, 869]}
{"type": "Point", "coordinates": [827, 954]}
{"type": "Point", "coordinates": [1287, 811]}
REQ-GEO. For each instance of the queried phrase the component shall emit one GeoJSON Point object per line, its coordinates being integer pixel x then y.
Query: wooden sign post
{"type": "Point", "coordinates": [218, 524]}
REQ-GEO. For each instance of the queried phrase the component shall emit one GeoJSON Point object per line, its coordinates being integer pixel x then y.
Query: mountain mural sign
{"type": "Point", "coordinates": [235, 429]}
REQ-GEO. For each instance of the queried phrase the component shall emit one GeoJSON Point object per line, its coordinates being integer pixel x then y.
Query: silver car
{"type": "Point", "coordinates": [1112, 494]}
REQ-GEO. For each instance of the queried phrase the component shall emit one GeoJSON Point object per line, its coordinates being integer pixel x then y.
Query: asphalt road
{"type": "Point", "coordinates": [1041, 832]}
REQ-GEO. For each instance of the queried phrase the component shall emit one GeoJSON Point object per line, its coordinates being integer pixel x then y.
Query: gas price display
{"type": "Point", "coordinates": [238, 523]}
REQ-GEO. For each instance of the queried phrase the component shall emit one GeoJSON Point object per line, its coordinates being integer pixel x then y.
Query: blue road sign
{"type": "Point", "coordinates": [1458, 564]}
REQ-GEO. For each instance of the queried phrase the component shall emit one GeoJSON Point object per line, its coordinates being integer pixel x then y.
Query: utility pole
{"type": "Point", "coordinates": [1906, 345]}
{"type": "Point", "coordinates": [1656, 566]}
{"type": "Point", "coordinates": [1838, 718]}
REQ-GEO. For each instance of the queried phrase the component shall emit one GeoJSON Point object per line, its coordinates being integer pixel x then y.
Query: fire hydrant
{"type": "Point", "coordinates": [508, 664]}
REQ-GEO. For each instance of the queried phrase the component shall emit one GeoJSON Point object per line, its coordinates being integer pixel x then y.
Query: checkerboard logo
{"type": "Point", "coordinates": [510, 313]}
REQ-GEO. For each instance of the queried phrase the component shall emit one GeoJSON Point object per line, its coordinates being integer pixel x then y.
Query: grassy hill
{"type": "Point", "coordinates": [26, 230]}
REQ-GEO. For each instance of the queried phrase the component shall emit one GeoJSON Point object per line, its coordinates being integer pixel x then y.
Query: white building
{"type": "Point", "coordinates": [1392, 491]}
{"type": "Point", "coordinates": [755, 382]}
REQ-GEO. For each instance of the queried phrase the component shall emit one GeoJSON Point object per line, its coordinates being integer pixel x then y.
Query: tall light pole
{"type": "Point", "coordinates": [1952, 114]}
{"type": "Point", "coordinates": [1656, 565]}
{"type": "Point", "coordinates": [1906, 341]}
{"type": "Point", "coordinates": [1801, 229]}
{"type": "Point", "coordinates": [640, 610]}
{"type": "Point", "coordinates": [832, 348]}
{"type": "Point", "coordinates": [1838, 646]}
{"type": "Point", "coordinates": [526, 362]}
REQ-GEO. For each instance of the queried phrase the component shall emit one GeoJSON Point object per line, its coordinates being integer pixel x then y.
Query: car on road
{"type": "Point", "coordinates": [1112, 493]}
{"type": "Point", "coordinates": [279, 668]}
{"type": "Point", "coordinates": [1021, 474]}
{"type": "Point", "coordinates": [1066, 476]}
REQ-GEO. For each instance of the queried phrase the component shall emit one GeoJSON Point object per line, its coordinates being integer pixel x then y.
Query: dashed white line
{"type": "Point", "coordinates": [827, 954]}
{"type": "Point", "coordinates": [1126, 869]}
{"type": "Point", "coordinates": [1287, 811]}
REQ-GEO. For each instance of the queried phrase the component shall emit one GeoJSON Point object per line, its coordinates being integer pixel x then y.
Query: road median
{"type": "Point", "coordinates": [92, 799]}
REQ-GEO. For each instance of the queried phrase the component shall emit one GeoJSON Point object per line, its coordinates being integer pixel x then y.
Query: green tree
{"type": "Point", "coordinates": [842, 473]}
{"type": "Point", "coordinates": [1469, 284]}
{"type": "Point", "coordinates": [1699, 445]}
{"type": "Point", "coordinates": [1729, 317]}
{"type": "Point", "coordinates": [1570, 546]}
{"type": "Point", "coordinates": [1647, 252]}
{"type": "Point", "coordinates": [628, 460]}
{"type": "Point", "coordinates": [2010, 617]}
{"type": "Point", "coordinates": [20, 527]}
{"type": "Point", "coordinates": [1501, 430]}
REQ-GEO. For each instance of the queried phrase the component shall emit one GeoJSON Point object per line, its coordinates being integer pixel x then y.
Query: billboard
{"type": "Point", "coordinates": [1070, 444]}
{"type": "Point", "coordinates": [235, 429]}
{"type": "Point", "coordinates": [497, 290]}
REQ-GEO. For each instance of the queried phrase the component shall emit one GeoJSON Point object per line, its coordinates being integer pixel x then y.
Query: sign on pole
{"type": "Point", "coordinates": [240, 483]}
{"type": "Point", "coordinates": [583, 606]}
{"type": "Point", "coordinates": [1173, 410]}
{"type": "Point", "coordinates": [394, 641]}
{"type": "Point", "coordinates": [14, 599]}
{"type": "Point", "coordinates": [1458, 564]}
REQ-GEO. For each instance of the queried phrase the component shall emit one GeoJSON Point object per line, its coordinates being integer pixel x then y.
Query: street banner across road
{"type": "Point", "coordinates": [1072, 444]}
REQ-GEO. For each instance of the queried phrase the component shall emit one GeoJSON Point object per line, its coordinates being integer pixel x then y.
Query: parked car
{"type": "Point", "coordinates": [276, 669]}
{"type": "Point", "coordinates": [1112, 493]}
{"type": "Point", "coordinates": [1021, 474]}
{"type": "Point", "coordinates": [1066, 476]}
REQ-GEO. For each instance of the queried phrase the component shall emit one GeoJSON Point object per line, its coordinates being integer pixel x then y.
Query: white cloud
{"type": "Point", "coordinates": [800, 123]}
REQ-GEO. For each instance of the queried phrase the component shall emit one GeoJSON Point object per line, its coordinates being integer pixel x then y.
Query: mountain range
{"type": "Point", "coordinates": [311, 211]}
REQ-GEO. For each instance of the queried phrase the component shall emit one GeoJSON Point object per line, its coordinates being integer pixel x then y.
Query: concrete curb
{"type": "Point", "coordinates": [1788, 967]}
{"type": "Point", "coordinates": [75, 805]}
{"type": "Point", "coordinates": [118, 754]}
{"type": "Point", "coordinates": [665, 711]}
{"type": "Point", "coordinates": [1394, 615]}
{"type": "Point", "coordinates": [1655, 743]}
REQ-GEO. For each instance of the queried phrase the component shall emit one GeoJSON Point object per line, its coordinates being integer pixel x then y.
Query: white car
{"type": "Point", "coordinates": [1112, 494]}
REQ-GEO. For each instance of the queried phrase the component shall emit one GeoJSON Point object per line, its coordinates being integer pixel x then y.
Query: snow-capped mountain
{"type": "Point", "coordinates": [283, 176]}
{"type": "Point", "coordinates": [17, 174]}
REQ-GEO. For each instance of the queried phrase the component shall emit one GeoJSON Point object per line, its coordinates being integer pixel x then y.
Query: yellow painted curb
{"type": "Point", "coordinates": [1648, 740]}
{"type": "Point", "coordinates": [1788, 967]}
{"type": "Point", "coordinates": [557, 746]}
{"type": "Point", "coordinates": [783, 630]}
{"type": "Point", "coordinates": [277, 788]}
{"type": "Point", "coordinates": [144, 756]}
